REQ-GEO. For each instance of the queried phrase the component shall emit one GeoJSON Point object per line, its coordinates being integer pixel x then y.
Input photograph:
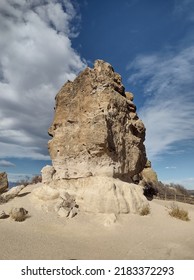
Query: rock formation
{"type": "Point", "coordinates": [148, 175]}
{"type": "Point", "coordinates": [93, 194]}
{"type": "Point", "coordinates": [149, 180]}
{"type": "Point", "coordinates": [12, 193]}
{"type": "Point", "coordinates": [3, 182]}
{"type": "Point", "coordinates": [96, 130]}
{"type": "Point", "coordinates": [97, 147]}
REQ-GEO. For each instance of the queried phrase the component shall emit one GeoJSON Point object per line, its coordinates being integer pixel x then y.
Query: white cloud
{"type": "Point", "coordinates": [167, 80]}
{"type": "Point", "coordinates": [36, 60]}
{"type": "Point", "coordinates": [6, 163]}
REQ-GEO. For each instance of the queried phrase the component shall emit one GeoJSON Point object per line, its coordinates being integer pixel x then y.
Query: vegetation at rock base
{"type": "Point", "coordinates": [177, 212]}
{"type": "Point", "coordinates": [145, 211]}
{"type": "Point", "coordinates": [34, 180]}
{"type": "Point", "coordinates": [171, 189]}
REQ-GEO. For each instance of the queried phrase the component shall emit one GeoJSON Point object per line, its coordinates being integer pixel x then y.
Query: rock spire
{"type": "Point", "coordinates": [96, 131]}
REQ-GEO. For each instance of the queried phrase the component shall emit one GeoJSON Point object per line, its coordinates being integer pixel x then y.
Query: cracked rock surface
{"type": "Point", "coordinates": [96, 131]}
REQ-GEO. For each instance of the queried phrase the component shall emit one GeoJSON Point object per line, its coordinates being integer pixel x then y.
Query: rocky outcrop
{"type": "Point", "coordinates": [93, 195]}
{"type": "Point", "coordinates": [12, 193]}
{"type": "Point", "coordinates": [149, 181]}
{"type": "Point", "coordinates": [96, 148]}
{"type": "Point", "coordinates": [96, 130]}
{"type": "Point", "coordinates": [148, 175]}
{"type": "Point", "coordinates": [3, 182]}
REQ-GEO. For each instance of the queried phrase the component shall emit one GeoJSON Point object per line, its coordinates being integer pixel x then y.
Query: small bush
{"type": "Point", "coordinates": [36, 179]}
{"type": "Point", "coordinates": [145, 210]}
{"type": "Point", "coordinates": [178, 213]}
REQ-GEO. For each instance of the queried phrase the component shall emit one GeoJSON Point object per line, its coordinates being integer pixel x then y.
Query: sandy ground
{"type": "Point", "coordinates": [47, 236]}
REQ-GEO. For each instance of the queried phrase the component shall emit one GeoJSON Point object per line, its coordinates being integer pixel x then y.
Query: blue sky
{"type": "Point", "coordinates": [149, 42]}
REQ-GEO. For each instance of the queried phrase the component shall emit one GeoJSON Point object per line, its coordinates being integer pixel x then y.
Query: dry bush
{"type": "Point", "coordinates": [145, 210]}
{"type": "Point", "coordinates": [34, 180]}
{"type": "Point", "coordinates": [171, 189]}
{"type": "Point", "coordinates": [178, 213]}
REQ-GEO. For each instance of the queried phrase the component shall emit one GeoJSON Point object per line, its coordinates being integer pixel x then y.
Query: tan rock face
{"type": "Point", "coordinates": [96, 130]}
{"type": "Point", "coordinates": [93, 194]}
{"type": "Point", "coordinates": [3, 182]}
{"type": "Point", "coordinates": [148, 175]}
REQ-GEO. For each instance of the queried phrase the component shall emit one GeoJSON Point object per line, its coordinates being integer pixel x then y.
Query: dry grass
{"type": "Point", "coordinates": [145, 210]}
{"type": "Point", "coordinates": [178, 213]}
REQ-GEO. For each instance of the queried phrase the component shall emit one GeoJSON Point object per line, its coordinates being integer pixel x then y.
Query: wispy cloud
{"type": "Point", "coordinates": [5, 163]}
{"type": "Point", "coordinates": [168, 84]}
{"type": "Point", "coordinates": [184, 8]}
{"type": "Point", "coordinates": [36, 59]}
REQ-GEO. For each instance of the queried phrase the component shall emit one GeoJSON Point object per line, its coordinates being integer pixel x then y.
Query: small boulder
{"type": "Point", "coordinates": [18, 214]}
{"type": "Point", "coordinates": [67, 207]}
{"type": "Point", "coordinates": [3, 215]}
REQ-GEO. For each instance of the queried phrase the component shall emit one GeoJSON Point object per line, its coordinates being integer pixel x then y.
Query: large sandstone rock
{"type": "Point", "coordinates": [3, 182]}
{"type": "Point", "coordinates": [96, 130]}
{"type": "Point", "coordinates": [97, 147]}
{"type": "Point", "coordinates": [93, 194]}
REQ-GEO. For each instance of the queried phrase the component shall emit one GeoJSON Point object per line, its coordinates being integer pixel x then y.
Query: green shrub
{"type": "Point", "coordinates": [178, 213]}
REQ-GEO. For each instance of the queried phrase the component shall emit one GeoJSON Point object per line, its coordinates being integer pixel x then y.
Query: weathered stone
{"type": "Point", "coordinates": [96, 149]}
{"type": "Point", "coordinates": [148, 164]}
{"type": "Point", "coordinates": [73, 212]}
{"type": "Point", "coordinates": [18, 214]}
{"type": "Point", "coordinates": [3, 215]}
{"type": "Point", "coordinates": [149, 180]}
{"type": "Point", "coordinates": [46, 193]}
{"type": "Point", "coordinates": [13, 192]}
{"type": "Point", "coordinates": [93, 194]}
{"type": "Point", "coordinates": [149, 176]}
{"type": "Point", "coordinates": [3, 182]}
{"type": "Point", "coordinates": [47, 173]}
{"type": "Point", "coordinates": [2, 200]}
{"type": "Point", "coordinates": [93, 129]}
{"type": "Point", "coordinates": [129, 95]}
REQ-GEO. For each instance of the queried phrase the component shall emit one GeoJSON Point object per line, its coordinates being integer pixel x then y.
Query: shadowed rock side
{"type": "Point", "coordinates": [96, 130]}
